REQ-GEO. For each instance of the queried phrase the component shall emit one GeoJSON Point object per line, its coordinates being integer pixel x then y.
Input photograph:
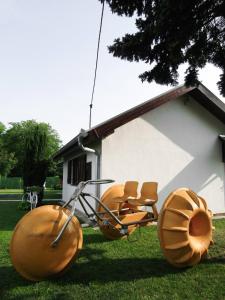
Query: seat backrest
{"type": "Point", "coordinates": [130, 189]}
{"type": "Point", "coordinates": [149, 191]}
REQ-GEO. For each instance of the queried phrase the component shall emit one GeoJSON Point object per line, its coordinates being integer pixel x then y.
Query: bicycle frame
{"type": "Point", "coordinates": [81, 197]}
{"type": "Point", "coordinates": [32, 198]}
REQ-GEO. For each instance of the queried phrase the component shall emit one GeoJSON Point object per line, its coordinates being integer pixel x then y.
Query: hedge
{"type": "Point", "coordinates": [17, 182]}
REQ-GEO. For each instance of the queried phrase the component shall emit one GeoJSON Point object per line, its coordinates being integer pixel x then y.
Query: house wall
{"type": "Point", "coordinates": [176, 145]}
{"type": "Point", "coordinates": [68, 189]}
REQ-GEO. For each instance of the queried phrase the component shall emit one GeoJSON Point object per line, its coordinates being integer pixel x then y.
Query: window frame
{"type": "Point", "coordinates": [79, 169]}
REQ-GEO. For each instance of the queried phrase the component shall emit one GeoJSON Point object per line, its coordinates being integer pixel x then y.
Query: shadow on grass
{"type": "Point", "coordinates": [215, 260]}
{"type": "Point", "coordinates": [96, 265]}
{"type": "Point", "coordinates": [102, 270]}
{"type": "Point", "coordinates": [95, 238]}
{"type": "Point", "coordinates": [93, 266]}
{"type": "Point", "coordinates": [10, 279]}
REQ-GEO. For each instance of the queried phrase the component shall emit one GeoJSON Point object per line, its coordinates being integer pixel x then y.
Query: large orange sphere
{"type": "Point", "coordinates": [110, 199]}
{"type": "Point", "coordinates": [31, 251]}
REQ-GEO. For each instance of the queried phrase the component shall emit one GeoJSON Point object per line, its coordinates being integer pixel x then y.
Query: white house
{"type": "Point", "coordinates": [176, 139]}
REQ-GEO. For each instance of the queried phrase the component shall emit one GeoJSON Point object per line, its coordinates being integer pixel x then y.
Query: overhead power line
{"type": "Point", "coordinates": [96, 65]}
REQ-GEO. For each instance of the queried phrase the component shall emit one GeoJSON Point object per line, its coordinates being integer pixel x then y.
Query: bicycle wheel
{"type": "Point", "coordinates": [31, 251]}
{"type": "Point", "coordinates": [111, 229]}
{"type": "Point", "coordinates": [34, 201]}
{"type": "Point", "coordinates": [26, 197]}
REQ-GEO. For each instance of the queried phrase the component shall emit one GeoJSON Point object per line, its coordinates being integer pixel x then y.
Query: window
{"type": "Point", "coordinates": [222, 138]}
{"type": "Point", "coordinates": [78, 170]}
{"type": "Point", "coordinates": [88, 171]}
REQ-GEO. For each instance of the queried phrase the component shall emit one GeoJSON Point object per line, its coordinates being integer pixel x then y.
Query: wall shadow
{"type": "Point", "coordinates": [194, 130]}
{"type": "Point", "coordinates": [188, 177]}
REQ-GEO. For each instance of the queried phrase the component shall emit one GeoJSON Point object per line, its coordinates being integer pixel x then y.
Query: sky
{"type": "Point", "coordinates": [47, 60]}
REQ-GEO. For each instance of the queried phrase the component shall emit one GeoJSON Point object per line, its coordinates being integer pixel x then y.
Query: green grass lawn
{"type": "Point", "coordinates": [16, 194]}
{"type": "Point", "coordinates": [117, 269]}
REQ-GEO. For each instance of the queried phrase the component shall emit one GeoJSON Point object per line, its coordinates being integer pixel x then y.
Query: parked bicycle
{"type": "Point", "coordinates": [31, 197]}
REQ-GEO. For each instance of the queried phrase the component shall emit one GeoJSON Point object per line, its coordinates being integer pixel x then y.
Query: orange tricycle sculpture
{"type": "Point", "coordinates": [46, 240]}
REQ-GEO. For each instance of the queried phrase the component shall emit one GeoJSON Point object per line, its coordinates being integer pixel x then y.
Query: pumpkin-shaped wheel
{"type": "Point", "coordinates": [31, 250]}
{"type": "Point", "coordinates": [111, 198]}
{"type": "Point", "coordinates": [185, 228]}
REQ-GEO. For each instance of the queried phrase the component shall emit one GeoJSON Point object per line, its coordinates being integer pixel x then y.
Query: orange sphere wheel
{"type": "Point", "coordinates": [185, 228]}
{"type": "Point", "coordinates": [31, 252]}
{"type": "Point", "coordinates": [111, 199]}
{"type": "Point", "coordinates": [110, 196]}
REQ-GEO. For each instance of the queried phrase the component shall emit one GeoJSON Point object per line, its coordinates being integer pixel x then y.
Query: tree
{"type": "Point", "coordinates": [170, 33]}
{"type": "Point", "coordinates": [7, 160]}
{"type": "Point", "coordinates": [2, 128]}
{"type": "Point", "coordinates": [33, 144]}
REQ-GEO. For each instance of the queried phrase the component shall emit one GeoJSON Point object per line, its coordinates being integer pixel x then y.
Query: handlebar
{"type": "Point", "coordinates": [82, 185]}
{"type": "Point", "coordinates": [75, 196]}
{"type": "Point", "coordinates": [100, 181]}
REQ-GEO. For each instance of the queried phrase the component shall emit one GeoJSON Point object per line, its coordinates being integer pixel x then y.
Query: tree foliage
{"type": "Point", "coordinates": [2, 128]}
{"type": "Point", "coordinates": [7, 160]}
{"type": "Point", "coordinates": [170, 33]}
{"type": "Point", "coordinates": [33, 145]}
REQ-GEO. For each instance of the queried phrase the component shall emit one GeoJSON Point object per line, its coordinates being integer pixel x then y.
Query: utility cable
{"type": "Point", "coordinates": [96, 65]}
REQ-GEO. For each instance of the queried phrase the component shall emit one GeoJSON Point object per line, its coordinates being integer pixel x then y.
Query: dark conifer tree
{"type": "Point", "coordinates": [170, 33]}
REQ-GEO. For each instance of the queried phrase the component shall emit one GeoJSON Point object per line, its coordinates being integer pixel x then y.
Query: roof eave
{"type": "Point", "coordinates": [204, 96]}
